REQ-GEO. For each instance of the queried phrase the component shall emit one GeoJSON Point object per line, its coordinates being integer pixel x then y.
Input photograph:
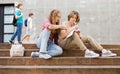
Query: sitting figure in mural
{"type": "Point", "coordinates": [72, 36]}
{"type": "Point", "coordinates": [47, 40]}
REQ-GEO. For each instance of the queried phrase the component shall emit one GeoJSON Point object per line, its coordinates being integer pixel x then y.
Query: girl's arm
{"type": "Point", "coordinates": [53, 27]}
{"type": "Point", "coordinates": [64, 33]}
{"type": "Point", "coordinates": [17, 17]}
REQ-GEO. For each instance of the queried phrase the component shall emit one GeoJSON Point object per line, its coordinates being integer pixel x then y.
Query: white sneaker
{"type": "Point", "coordinates": [44, 56]}
{"type": "Point", "coordinates": [91, 54]}
{"type": "Point", "coordinates": [108, 53]}
{"type": "Point", "coordinates": [35, 54]}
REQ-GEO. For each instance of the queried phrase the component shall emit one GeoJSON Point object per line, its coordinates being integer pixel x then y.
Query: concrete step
{"type": "Point", "coordinates": [62, 61]}
{"type": "Point", "coordinates": [68, 53]}
{"type": "Point", "coordinates": [8, 46]}
{"type": "Point", "coordinates": [70, 62]}
{"type": "Point", "coordinates": [60, 69]}
{"type": "Point", "coordinates": [33, 46]}
{"type": "Point", "coordinates": [6, 52]}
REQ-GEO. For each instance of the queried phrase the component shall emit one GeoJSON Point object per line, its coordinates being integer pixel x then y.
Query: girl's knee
{"type": "Point", "coordinates": [55, 51]}
{"type": "Point", "coordinates": [59, 50]}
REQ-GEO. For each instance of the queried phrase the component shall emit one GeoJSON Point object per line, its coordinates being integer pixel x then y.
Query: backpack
{"type": "Point", "coordinates": [25, 22]}
{"type": "Point", "coordinates": [14, 21]}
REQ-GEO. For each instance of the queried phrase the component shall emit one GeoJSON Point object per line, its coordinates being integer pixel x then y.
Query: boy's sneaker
{"type": "Point", "coordinates": [11, 42]}
{"type": "Point", "coordinates": [35, 54]}
{"type": "Point", "coordinates": [108, 53]}
{"type": "Point", "coordinates": [91, 54]}
{"type": "Point", "coordinates": [44, 56]}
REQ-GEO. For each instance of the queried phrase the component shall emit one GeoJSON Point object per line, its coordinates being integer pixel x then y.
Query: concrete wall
{"type": "Point", "coordinates": [99, 18]}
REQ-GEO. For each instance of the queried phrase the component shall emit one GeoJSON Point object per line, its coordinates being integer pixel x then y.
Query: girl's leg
{"type": "Point", "coordinates": [15, 34]}
{"type": "Point", "coordinates": [38, 43]}
{"type": "Point", "coordinates": [53, 49]}
{"type": "Point", "coordinates": [43, 41]}
{"type": "Point", "coordinates": [42, 44]}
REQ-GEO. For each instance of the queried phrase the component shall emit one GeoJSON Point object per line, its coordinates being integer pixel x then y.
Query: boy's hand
{"type": "Point", "coordinates": [76, 27]}
{"type": "Point", "coordinates": [78, 30]}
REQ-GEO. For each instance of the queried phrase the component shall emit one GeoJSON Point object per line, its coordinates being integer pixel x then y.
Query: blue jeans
{"type": "Point", "coordinates": [46, 45]}
{"type": "Point", "coordinates": [18, 32]}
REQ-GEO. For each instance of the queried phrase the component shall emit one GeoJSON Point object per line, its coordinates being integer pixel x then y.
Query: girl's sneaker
{"type": "Point", "coordinates": [44, 56]}
{"type": "Point", "coordinates": [35, 54]}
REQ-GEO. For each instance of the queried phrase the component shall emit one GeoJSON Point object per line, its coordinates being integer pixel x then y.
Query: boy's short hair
{"type": "Point", "coordinates": [31, 14]}
{"type": "Point", "coordinates": [72, 14]}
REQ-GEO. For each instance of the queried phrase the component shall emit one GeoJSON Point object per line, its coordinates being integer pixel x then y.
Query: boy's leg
{"type": "Point", "coordinates": [65, 43]}
{"type": "Point", "coordinates": [73, 40]}
{"type": "Point", "coordinates": [24, 37]}
{"type": "Point", "coordinates": [78, 41]}
{"type": "Point", "coordinates": [92, 42]}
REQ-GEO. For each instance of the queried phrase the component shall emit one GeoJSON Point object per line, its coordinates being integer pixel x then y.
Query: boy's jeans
{"type": "Point", "coordinates": [46, 45]}
{"type": "Point", "coordinates": [18, 32]}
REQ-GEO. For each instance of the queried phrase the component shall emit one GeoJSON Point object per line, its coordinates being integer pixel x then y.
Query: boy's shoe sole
{"type": "Point", "coordinates": [112, 55]}
{"type": "Point", "coordinates": [91, 56]}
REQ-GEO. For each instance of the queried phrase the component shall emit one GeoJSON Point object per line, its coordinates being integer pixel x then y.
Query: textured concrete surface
{"type": "Point", "coordinates": [99, 18]}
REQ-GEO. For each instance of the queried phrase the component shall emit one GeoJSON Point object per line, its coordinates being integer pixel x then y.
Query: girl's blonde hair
{"type": "Point", "coordinates": [52, 17]}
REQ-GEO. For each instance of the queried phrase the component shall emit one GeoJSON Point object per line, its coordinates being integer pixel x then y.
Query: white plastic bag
{"type": "Point", "coordinates": [17, 50]}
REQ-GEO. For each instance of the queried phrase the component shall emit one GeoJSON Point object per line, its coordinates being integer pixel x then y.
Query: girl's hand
{"type": "Point", "coordinates": [63, 27]}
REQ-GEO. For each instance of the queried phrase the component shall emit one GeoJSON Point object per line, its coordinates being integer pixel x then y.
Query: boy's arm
{"type": "Point", "coordinates": [28, 24]}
